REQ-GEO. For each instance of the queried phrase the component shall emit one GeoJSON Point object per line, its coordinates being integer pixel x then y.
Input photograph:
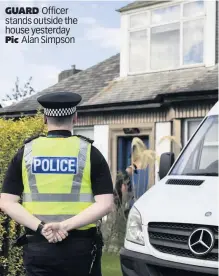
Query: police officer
{"type": "Point", "coordinates": [66, 188]}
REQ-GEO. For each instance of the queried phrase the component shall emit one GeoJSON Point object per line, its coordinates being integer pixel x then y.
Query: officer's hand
{"type": "Point", "coordinates": [54, 236]}
{"type": "Point", "coordinates": [54, 232]}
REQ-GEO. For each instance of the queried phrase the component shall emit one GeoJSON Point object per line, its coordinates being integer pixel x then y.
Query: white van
{"type": "Point", "coordinates": [172, 229]}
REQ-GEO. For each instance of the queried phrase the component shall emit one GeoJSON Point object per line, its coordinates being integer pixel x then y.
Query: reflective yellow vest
{"type": "Point", "coordinates": [56, 178]}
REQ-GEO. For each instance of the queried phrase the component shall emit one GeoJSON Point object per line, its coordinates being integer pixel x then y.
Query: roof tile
{"type": "Point", "coordinates": [101, 85]}
{"type": "Point", "coordinates": [140, 4]}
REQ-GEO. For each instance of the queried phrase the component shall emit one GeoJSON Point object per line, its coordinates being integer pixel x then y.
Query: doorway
{"type": "Point", "coordinates": [139, 180]}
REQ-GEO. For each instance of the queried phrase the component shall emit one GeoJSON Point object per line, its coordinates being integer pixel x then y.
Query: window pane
{"type": "Point", "coordinates": [139, 20]}
{"type": "Point", "coordinates": [192, 126]}
{"type": "Point", "coordinates": [193, 9]}
{"type": "Point", "coordinates": [209, 158]}
{"type": "Point", "coordinates": [193, 41]}
{"type": "Point", "coordinates": [211, 137]}
{"type": "Point", "coordinates": [165, 41]}
{"type": "Point", "coordinates": [138, 51]}
{"type": "Point", "coordinates": [165, 15]}
{"type": "Point", "coordinates": [210, 149]}
{"type": "Point", "coordinates": [201, 156]}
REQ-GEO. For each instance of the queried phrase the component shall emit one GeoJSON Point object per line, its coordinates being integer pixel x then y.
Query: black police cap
{"type": "Point", "coordinates": [59, 104]}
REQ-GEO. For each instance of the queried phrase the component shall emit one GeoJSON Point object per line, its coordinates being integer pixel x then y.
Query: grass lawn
{"type": "Point", "coordinates": [111, 265]}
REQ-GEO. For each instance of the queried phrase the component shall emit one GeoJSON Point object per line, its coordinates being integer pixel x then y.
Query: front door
{"type": "Point", "coordinates": [140, 179]}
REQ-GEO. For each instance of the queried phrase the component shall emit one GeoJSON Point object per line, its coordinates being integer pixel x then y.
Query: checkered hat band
{"type": "Point", "coordinates": [61, 112]}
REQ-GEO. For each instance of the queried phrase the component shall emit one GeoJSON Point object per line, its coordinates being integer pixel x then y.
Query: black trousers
{"type": "Point", "coordinates": [71, 257]}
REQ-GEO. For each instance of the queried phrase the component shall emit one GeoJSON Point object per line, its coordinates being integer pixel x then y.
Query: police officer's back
{"type": "Point", "coordinates": [66, 188]}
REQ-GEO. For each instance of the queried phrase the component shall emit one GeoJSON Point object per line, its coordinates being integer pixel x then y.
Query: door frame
{"type": "Point", "coordinates": [129, 138]}
{"type": "Point", "coordinates": [116, 131]}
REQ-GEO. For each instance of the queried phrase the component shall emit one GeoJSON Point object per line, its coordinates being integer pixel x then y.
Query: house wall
{"type": "Point", "coordinates": [101, 140]}
{"type": "Point", "coordinates": [124, 46]}
{"type": "Point", "coordinates": [217, 24]}
{"type": "Point", "coordinates": [210, 34]}
{"type": "Point", "coordinates": [125, 117]}
{"type": "Point", "coordinates": [161, 130]}
{"type": "Point", "coordinates": [84, 131]}
{"type": "Point", "coordinates": [192, 111]}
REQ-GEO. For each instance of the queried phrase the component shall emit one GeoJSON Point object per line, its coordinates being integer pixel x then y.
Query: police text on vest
{"type": "Point", "coordinates": [54, 165]}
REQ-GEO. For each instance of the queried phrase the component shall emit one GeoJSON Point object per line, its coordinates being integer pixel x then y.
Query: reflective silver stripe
{"type": "Point", "coordinates": [57, 197]}
{"type": "Point", "coordinates": [53, 218]}
{"type": "Point", "coordinates": [28, 163]}
{"type": "Point", "coordinates": [76, 185]}
{"type": "Point", "coordinates": [74, 196]}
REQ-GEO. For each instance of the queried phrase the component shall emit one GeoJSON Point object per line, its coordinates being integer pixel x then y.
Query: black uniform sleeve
{"type": "Point", "coordinates": [100, 175]}
{"type": "Point", "coordinates": [101, 180]}
{"type": "Point", "coordinates": [12, 183]}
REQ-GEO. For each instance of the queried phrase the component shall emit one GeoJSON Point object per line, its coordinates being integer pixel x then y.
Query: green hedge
{"type": "Point", "coordinates": [13, 133]}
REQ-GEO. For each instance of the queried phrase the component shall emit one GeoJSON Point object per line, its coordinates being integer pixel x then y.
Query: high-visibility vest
{"type": "Point", "coordinates": [56, 178]}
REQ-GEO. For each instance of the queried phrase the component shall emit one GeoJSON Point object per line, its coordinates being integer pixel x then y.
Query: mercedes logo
{"type": "Point", "coordinates": [208, 214]}
{"type": "Point", "coordinates": [201, 241]}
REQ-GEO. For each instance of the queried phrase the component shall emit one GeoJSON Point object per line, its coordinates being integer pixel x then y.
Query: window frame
{"type": "Point", "coordinates": [180, 162]}
{"type": "Point", "coordinates": [150, 26]}
{"type": "Point", "coordinates": [186, 130]}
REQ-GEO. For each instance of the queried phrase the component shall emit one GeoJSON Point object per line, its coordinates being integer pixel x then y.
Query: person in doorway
{"type": "Point", "coordinates": [141, 158]}
{"type": "Point", "coordinates": [135, 181]}
{"type": "Point", "coordinates": [123, 193]}
{"type": "Point", "coordinates": [66, 188]}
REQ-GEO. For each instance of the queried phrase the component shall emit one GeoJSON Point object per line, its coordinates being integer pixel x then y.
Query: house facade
{"type": "Point", "coordinates": [162, 83]}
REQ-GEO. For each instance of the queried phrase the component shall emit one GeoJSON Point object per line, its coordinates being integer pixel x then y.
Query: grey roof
{"type": "Point", "coordinates": [149, 86]}
{"type": "Point", "coordinates": [140, 4]}
{"type": "Point", "coordinates": [87, 83]}
{"type": "Point", "coordinates": [100, 85]}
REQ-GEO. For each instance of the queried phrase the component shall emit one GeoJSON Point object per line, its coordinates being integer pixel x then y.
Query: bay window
{"type": "Point", "coordinates": [165, 38]}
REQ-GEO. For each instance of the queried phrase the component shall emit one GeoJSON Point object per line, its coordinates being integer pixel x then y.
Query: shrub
{"type": "Point", "coordinates": [13, 133]}
{"type": "Point", "coordinates": [114, 226]}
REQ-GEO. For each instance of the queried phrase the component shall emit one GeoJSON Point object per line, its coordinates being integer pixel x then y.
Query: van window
{"type": "Point", "coordinates": [201, 154]}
